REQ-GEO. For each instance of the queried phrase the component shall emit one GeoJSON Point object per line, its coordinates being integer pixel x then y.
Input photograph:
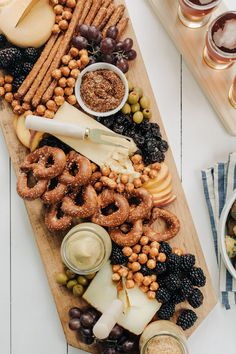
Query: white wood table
{"type": "Point", "coordinates": [29, 323]}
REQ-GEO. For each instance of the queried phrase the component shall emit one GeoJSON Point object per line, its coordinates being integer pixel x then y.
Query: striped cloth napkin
{"type": "Point", "coordinates": [219, 183]}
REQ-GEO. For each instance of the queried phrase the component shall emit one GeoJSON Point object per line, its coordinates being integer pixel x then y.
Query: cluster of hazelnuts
{"type": "Point", "coordinates": [63, 10]}
{"type": "Point", "coordinates": [6, 88]}
{"type": "Point", "coordinates": [123, 182]}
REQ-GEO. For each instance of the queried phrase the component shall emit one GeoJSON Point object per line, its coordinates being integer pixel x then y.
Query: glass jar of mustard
{"type": "Point", "coordinates": [86, 248]}
{"type": "Point", "coordinates": [163, 337]}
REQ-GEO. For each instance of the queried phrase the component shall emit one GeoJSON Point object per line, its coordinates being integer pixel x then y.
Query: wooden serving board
{"type": "Point", "coordinates": [49, 244]}
{"type": "Point", "coordinates": [190, 43]}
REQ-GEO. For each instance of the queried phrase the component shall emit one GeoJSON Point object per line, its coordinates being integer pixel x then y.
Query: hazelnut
{"type": "Point", "coordinates": [62, 2]}
{"type": "Point", "coordinates": [8, 87]}
{"type": "Point", "coordinates": [105, 170]}
{"type": "Point", "coordinates": [155, 244]}
{"type": "Point", "coordinates": [59, 91]}
{"type": "Point", "coordinates": [146, 249]}
{"type": "Point", "coordinates": [113, 175]}
{"type": "Point", "coordinates": [151, 264]}
{"type": "Point", "coordinates": [27, 113]}
{"type": "Point", "coordinates": [65, 71]}
{"type": "Point", "coordinates": [51, 105]}
{"type": "Point", "coordinates": [66, 8]}
{"type": "Point", "coordinates": [127, 251]}
{"type": "Point", "coordinates": [153, 277]}
{"type": "Point", "coordinates": [66, 59]}
{"type": "Point", "coordinates": [142, 258]}
{"type": "Point", "coordinates": [120, 188]}
{"type": "Point", "coordinates": [136, 248]}
{"type": "Point", "coordinates": [129, 284]}
{"type": "Point", "coordinates": [71, 82]}
{"type": "Point", "coordinates": [56, 74]}
{"type": "Point", "coordinates": [58, 9]}
{"type": "Point", "coordinates": [138, 278]}
{"type": "Point", "coordinates": [162, 257]}
{"type": "Point", "coordinates": [98, 186]}
{"type": "Point", "coordinates": [124, 179]}
{"type": "Point", "coordinates": [144, 288]}
{"type": "Point", "coordinates": [26, 106]}
{"type": "Point", "coordinates": [56, 29]}
{"type": "Point", "coordinates": [40, 110]}
{"type": "Point", "coordinates": [137, 183]}
{"type": "Point", "coordinates": [115, 277]}
{"type": "Point", "coordinates": [130, 275]}
{"type": "Point", "coordinates": [9, 97]}
{"type": "Point", "coordinates": [153, 174]}
{"type": "Point", "coordinates": [2, 81]}
{"type": "Point", "coordinates": [146, 170]}
{"type": "Point", "coordinates": [151, 295]}
{"type": "Point", "coordinates": [144, 240]}
{"type": "Point", "coordinates": [62, 82]}
{"type": "Point", "coordinates": [74, 73]}
{"type": "Point", "coordinates": [8, 79]}
{"type": "Point", "coordinates": [123, 272]}
{"type": "Point", "coordinates": [54, 2]}
{"type": "Point", "coordinates": [116, 267]}
{"type": "Point", "coordinates": [58, 19]}
{"type": "Point", "coordinates": [68, 91]}
{"type": "Point", "coordinates": [136, 159]}
{"type": "Point", "coordinates": [139, 167]}
{"type": "Point", "coordinates": [136, 267]}
{"type": "Point", "coordinates": [71, 100]}
{"type": "Point", "coordinates": [49, 114]}
{"type": "Point", "coordinates": [71, 3]}
{"type": "Point", "coordinates": [133, 257]}
{"type": "Point", "coordinates": [129, 187]}
{"type": "Point", "coordinates": [84, 60]}
{"type": "Point", "coordinates": [74, 52]}
{"type": "Point", "coordinates": [153, 252]}
{"type": "Point", "coordinates": [83, 52]}
{"type": "Point", "coordinates": [66, 15]}
{"type": "Point", "coordinates": [144, 178]}
{"type": "Point", "coordinates": [147, 281]}
{"type": "Point", "coordinates": [93, 166]}
{"type": "Point", "coordinates": [129, 265]}
{"type": "Point", "coordinates": [18, 110]}
{"type": "Point", "coordinates": [154, 286]}
{"type": "Point", "coordinates": [73, 64]}
{"type": "Point", "coordinates": [2, 91]}
{"type": "Point", "coordinates": [177, 251]}
{"type": "Point", "coordinates": [14, 103]}
{"type": "Point", "coordinates": [156, 166]}
{"type": "Point", "coordinates": [59, 100]}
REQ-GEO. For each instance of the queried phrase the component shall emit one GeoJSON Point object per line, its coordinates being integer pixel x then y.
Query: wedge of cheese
{"type": "Point", "coordinates": [102, 292]}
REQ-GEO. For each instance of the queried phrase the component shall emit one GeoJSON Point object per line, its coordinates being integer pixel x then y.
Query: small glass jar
{"type": "Point", "coordinates": [86, 248]}
{"type": "Point", "coordinates": [162, 337]}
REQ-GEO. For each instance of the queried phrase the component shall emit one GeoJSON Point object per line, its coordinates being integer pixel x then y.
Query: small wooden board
{"type": "Point", "coordinates": [190, 43]}
{"type": "Point", "coordinates": [49, 244]}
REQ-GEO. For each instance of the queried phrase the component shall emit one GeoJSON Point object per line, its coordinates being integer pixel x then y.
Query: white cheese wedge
{"type": "Point", "coordinates": [34, 29]}
{"type": "Point", "coordinates": [98, 153]}
{"type": "Point", "coordinates": [102, 292]}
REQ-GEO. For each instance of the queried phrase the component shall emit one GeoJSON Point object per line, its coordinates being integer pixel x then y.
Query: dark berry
{"type": "Point", "coordinates": [165, 248]}
{"type": "Point", "coordinates": [186, 287]}
{"type": "Point", "coordinates": [186, 319]}
{"type": "Point", "coordinates": [31, 54]}
{"type": "Point", "coordinates": [146, 271]}
{"type": "Point", "coordinates": [173, 262]}
{"type": "Point", "coordinates": [177, 297]}
{"type": "Point", "coordinates": [75, 312]}
{"type": "Point", "coordinates": [15, 70]}
{"type": "Point", "coordinates": [197, 277]}
{"type": "Point", "coordinates": [109, 351]}
{"type": "Point", "coordinates": [163, 146]}
{"type": "Point", "coordinates": [26, 68]}
{"type": "Point", "coordinates": [17, 83]}
{"type": "Point", "coordinates": [3, 41]}
{"type": "Point", "coordinates": [166, 311]}
{"type": "Point", "coordinates": [74, 324]}
{"type": "Point", "coordinates": [117, 256]}
{"type": "Point", "coordinates": [187, 262]}
{"type": "Point", "coordinates": [116, 332]}
{"type": "Point", "coordinates": [9, 56]}
{"type": "Point", "coordinates": [160, 268]}
{"type": "Point", "coordinates": [163, 295]}
{"type": "Point", "coordinates": [196, 298]}
{"type": "Point", "coordinates": [172, 282]}
{"type": "Point", "coordinates": [128, 345]}
{"type": "Point", "coordinates": [87, 320]}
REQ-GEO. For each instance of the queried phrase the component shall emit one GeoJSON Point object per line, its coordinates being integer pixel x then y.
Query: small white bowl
{"type": "Point", "coordinates": [101, 66]}
{"type": "Point", "coordinates": [222, 232]}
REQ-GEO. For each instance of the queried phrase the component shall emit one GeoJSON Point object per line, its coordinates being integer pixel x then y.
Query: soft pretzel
{"type": "Point", "coordinates": [143, 209]}
{"type": "Point", "coordinates": [27, 192]}
{"type": "Point", "coordinates": [56, 220]}
{"type": "Point", "coordinates": [55, 192]}
{"type": "Point", "coordinates": [130, 238]}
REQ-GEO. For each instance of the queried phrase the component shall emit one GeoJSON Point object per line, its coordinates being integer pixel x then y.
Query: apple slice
{"type": "Point", "coordinates": [168, 201]}
{"type": "Point", "coordinates": [163, 200]}
{"type": "Point", "coordinates": [165, 184]}
{"type": "Point", "coordinates": [162, 194]}
{"type": "Point", "coordinates": [35, 139]}
{"type": "Point", "coordinates": [162, 174]}
{"type": "Point", "coordinates": [22, 132]}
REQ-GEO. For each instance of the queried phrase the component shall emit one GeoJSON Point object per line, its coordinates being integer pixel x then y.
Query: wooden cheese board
{"type": "Point", "coordinates": [190, 43]}
{"type": "Point", "coordinates": [49, 244]}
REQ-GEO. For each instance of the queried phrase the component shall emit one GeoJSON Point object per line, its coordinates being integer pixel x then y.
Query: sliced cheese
{"type": "Point", "coordinates": [102, 292]}
{"type": "Point", "coordinates": [98, 153]}
{"type": "Point", "coordinates": [34, 29]}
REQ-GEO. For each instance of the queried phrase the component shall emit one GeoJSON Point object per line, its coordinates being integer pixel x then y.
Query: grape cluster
{"type": "Point", "coordinates": [108, 50]}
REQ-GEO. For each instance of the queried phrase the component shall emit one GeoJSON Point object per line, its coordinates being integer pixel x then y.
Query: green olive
{"type": "Point", "coordinates": [131, 86]}
{"type": "Point", "coordinates": [145, 102]}
{"type": "Point", "coordinates": [126, 109]}
{"type": "Point", "coordinates": [78, 290]}
{"type": "Point", "coordinates": [70, 274]}
{"type": "Point", "coordinates": [138, 117]}
{"type": "Point", "coordinates": [139, 91]}
{"type": "Point", "coordinates": [71, 284]}
{"type": "Point", "coordinates": [61, 279]}
{"type": "Point", "coordinates": [90, 276]}
{"type": "Point", "coordinates": [133, 98]}
{"type": "Point", "coordinates": [82, 280]}
{"type": "Point", "coordinates": [147, 113]}
{"type": "Point", "coordinates": [135, 107]}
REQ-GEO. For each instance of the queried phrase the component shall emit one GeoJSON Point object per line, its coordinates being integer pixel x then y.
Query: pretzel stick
{"type": "Point", "coordinates": [93, 12]}
{"type": "Point", "coordinates": [28, 97]}
{"type": "Point", "coordinates": [61, 51]}
{"type": "Point", "coordinates": [115, 18]}
{"type": "Point", "coordinates": [49, 93]}
{"type": "Point", "coordinates": [85, 12]}
{"type": "Point", "coordinates": [37, 66]}
{"type": "Point", "coordinates": [100, 17]}
{"type": "Point", "coordinates": [121, 26]}
{"type": "Point", "coordinates": [106, 3]}
{"type": "Point", "coordinates": [110, 11]}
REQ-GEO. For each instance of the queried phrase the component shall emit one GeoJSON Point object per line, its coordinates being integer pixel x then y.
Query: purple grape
{"type": "Point", "coordinates": [107, 45]}
{"type": "Point", "coordinates": [128, 44]}
{"type": "Point", "coordinates": [80, 42]}
{"type": "Point", "coordinates": [128, 345]}
{"type": "Point", "coordinates": [99, 38]}
{"type": "Point", "coordinates": [92, 60]}
{"type": "Point", "coordinates": [116, 332]}
{"type": "Point", "coordinates": [92, 311]}
{"type": "Point", "coordinates": [109, 351]}
{"type": "Point", "coordinates": [87, 332]}
{"type": "Point", "coordinates": [123, 65]}
{"type": "Point", "coordinates": [112, 32]}
{"type": "Point", "coordinates": [108, 58]}
{"type": "Point", "coordinates": [131, 54]}
{"type": "Point", "coordinates": [74, 324]}
{"type": "Point", "coordinates": [93, 33]}
{"type": "Point", "coordinates": [83, 30]}
{"type": "Point", "coordinates": [119, 46]}
{"type": "Point", "coordinates": [87, 320]}
{"type": "Point", "coordinates": [75, 312]}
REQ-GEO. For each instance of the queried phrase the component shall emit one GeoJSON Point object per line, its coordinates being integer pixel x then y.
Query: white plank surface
{"type": "Point", "coordinates": [28, 320]}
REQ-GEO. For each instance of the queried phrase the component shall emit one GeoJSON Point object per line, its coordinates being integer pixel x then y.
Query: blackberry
{"type": "Point", "coordinates": [146, 271]}
{"type": "Point", "coordinates": [186, 319]}
{"type": "Point", "coordinates": [165, 248]}
{"type": "Point", "coordinates": [117, 256]}
{"type": "Point", "coordinates": [163, 146]}
{"type": "Point", "coordinates": [50, 140]}
{"type": "Point", "coordinates": [177, 297]}
{"type": "Point", "coordinates": [187, 262]}
{"type": "Point", "coordinates": [15, 71]}
{"type": "Point", "coordinates": [27, 67]}
{"type": "Point", "coordinates": [31, 54]}
{"type": "Point", "coordinates": [9, 56]}
{"type": "Point", "coordinates": [173, 262]}
{"type": "Point", "coordinates": [172, 282]}
{"type": "Point", "coordinates": [166, 311]}
{"type": "Point", "coordinates": [3, 41]}
{"type": "Point", "coordinates": [186, 287]}
{"type": "Point", "coordinates": [160, 268]}
{"type": "Point", "coordinates": [197, 277]}
{"type": "Point", "coordinates": [196, 298]}
{"type": "Point", "coordinates": [17, 83]}
{"type": "Point", "coordinates": [157, 156]}
{"type": "Point", "coordinates": [163, 295]}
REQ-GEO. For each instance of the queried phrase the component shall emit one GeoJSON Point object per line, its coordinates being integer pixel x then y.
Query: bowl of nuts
{"type": "Point", "coordinates": [101, 89]}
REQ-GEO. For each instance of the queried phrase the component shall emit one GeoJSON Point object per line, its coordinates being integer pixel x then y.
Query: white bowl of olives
{"type": "Point", "coordinates": [227, 234]}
